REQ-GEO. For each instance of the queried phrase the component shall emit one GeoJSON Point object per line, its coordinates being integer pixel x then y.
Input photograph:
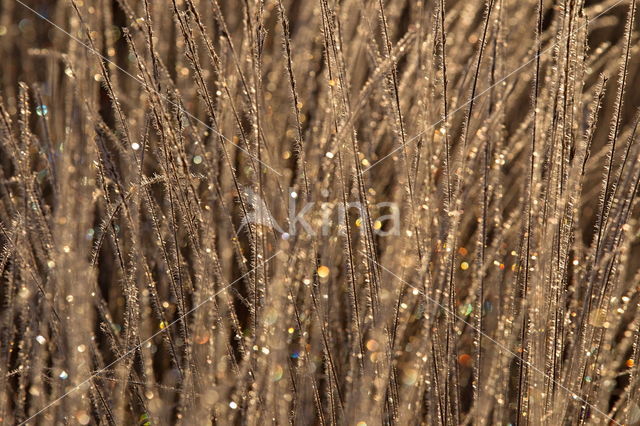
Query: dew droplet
{"type": "Point", "coordinates": [372, 345]}
{"type": "Point", "coordinates": [278, 372]}
{"type": "Point", "coordinates": [144, 417]}
{"type": "Point", "coordinates": [465, 360]}
{"type": "Point", "coordinates": [42, 110]}
{"type": "Point", "coordinates": [409, 376]}
{"type": "Point", "coordinates": [323, 271]}
{"type": "Point", "coordinates": [467, 309]}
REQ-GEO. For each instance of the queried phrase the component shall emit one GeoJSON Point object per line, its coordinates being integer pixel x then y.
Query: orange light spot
{"type": "Point", "coordinates": [201, 340]}
{"type": "Point", "coordinates": [323, 271]}
{"type": "Point", "coordinates": [465, 360]}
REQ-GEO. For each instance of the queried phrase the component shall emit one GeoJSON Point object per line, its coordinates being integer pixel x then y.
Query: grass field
{"type": "Point", "coordinates": [350, 212]}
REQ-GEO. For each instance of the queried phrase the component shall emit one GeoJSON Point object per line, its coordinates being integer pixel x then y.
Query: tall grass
{"type": "Point", "coordinates": [465, 179]}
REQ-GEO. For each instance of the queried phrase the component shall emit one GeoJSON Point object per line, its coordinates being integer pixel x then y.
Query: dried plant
{"type": "Point", "coordinates": [352, 212]}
